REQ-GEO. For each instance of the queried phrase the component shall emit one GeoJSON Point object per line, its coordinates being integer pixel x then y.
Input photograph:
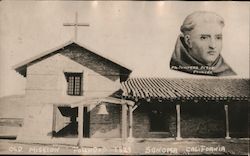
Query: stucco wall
{"type": "Point", "coordinates": [47, 85]}
{"type": "Point", "coordinates": [50, 84]}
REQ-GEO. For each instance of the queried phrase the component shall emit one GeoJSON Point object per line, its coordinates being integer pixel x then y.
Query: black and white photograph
{"type": "Point", "coordinates": [124, 77]}
{"type": "Point", "coordinates": [198, 48]}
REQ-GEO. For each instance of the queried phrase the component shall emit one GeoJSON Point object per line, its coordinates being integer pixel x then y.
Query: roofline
{"type": "Point", "coordinates": [34, 58]}
{"type": "Point", "coordinates": [189, 78]}
{"type": "Point", "coordinates": [106, 57]}
{"type": "Point", "coordinates": [170, 89]}
{"type": "Point", "coordinates": [25, 62]}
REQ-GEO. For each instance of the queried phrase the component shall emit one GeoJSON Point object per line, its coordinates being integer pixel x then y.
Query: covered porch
{"type": "Point", "coordinates": [214, 100]}
{"type": "Point", "coordinates": [179, 96]}
{"type": "Point", "coordinates": [98, 107]}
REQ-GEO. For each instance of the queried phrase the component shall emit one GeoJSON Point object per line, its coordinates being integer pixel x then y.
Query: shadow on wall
{"type": "Point", "coordinates": [94, 62]}
{"type": "Point", "coordinates": [65, 122]}
{"type": "Point", "coordinates": [202, 120]}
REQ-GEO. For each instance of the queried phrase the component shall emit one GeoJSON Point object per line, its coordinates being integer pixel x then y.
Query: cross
{"type": "Point", "coordinates": [75, 24]}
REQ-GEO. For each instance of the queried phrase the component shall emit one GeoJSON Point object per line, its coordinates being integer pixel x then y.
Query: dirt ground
{"type": "Point", "coordinates": [138, 146]}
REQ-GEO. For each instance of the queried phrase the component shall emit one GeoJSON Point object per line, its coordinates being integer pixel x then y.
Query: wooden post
{"type": "Point", "coordinates": [227, 122]}
{"type": "Point", "coordinates": [130, 122]}
{"type": "Point", "coordinates": [80, 125]}
{"type": "Point", "coordinates": [178, 126]}
{"type": "Point", "coordinates": [124, 122]}
{"type": "Point", "coordinates": [54, 120]}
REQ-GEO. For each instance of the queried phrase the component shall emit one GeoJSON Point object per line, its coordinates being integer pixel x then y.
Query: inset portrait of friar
{"type": "Point", "coordinates": [198, 47]}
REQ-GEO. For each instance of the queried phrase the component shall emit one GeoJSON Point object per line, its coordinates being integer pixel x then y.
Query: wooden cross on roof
{"type": "Point", "coordinates": [75, 24]}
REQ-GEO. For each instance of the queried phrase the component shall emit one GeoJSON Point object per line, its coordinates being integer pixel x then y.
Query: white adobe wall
{"type": "Point", "coordinates": [46, 85]}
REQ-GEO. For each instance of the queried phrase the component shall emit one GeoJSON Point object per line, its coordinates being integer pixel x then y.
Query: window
{"type": "Point", "coordinates": [158, 121]}
{"type": "Point", "coordinates": [74, 81]}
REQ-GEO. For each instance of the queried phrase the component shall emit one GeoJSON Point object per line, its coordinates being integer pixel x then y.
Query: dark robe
{"type": "Point", "coordinates": [182, 61]}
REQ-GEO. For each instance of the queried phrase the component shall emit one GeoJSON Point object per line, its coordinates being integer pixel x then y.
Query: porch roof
{"type": "Point", "coordinates": [165, 88]}
{"type": "Point", "coordinates": [87, 101]}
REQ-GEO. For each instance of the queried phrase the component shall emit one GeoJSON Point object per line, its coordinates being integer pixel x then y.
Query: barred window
{"type": "Point", "coordinates": [74, 81]}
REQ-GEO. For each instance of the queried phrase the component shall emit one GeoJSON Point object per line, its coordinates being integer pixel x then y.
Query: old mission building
{"type": "Point", "coordinates": [73, 92]}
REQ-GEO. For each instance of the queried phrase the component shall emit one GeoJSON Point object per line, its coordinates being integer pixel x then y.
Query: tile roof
{"type": "Point", "coordinates": [164, 88]}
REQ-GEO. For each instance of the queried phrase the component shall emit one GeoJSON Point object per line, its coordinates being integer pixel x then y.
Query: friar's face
{"type": "Point", "coordinates": [205, 42]}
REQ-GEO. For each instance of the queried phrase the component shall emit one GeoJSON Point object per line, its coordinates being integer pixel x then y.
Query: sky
{"type": "Point", "coordinates": [139, 34]}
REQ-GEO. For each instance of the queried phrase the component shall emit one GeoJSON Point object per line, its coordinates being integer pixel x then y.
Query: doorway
{"type": "Point", "coordinates": [65, 122]}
